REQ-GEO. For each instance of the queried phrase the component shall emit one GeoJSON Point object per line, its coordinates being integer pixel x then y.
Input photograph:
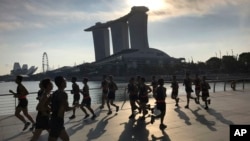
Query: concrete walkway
{"type": "Point", "coordinates": [194, 124]}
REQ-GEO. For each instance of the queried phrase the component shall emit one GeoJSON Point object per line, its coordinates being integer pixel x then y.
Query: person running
{"type": "Point", "coordinates": [197, 84]}
{"type": "Point", "coordinates": [233, 85]}
{"type": "Point", "coordinates": [160, 103]}
{"type": "Point", "coordinates": [175, 89]}
{"type": "Point", "coordinates": [43, 108]}
{"type": "Point", "coordinates": [40, 92]}
{"type": "Point", "coordinates": [21, 93]}
{"type": "Point", "coordinates": [76, 95]}
{"type": "Point", "coordinates": [154, 85]}
{"type": "Point", "coordinates": [138, 84]}
{"type": "Point", "coordinates": [188, 88]}
{"type": "Point", "coordinates": [105, 89]}
{"type": "Point", "coordinates": [205, 92]}
{"type": "Point", "coordinates": [111, 95]}
{"type": "Point", "coordinates": [59, 105]}
{"type": "Point", "coordinates": [133, 96]}
{"type": "Point", "coordinates": [86, 101]}
{"type": "Point", "coordinates": [144, 90]}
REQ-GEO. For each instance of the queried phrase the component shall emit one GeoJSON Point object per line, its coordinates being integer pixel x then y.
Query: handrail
{"type": "Point", "coordinates": [166, 82]}
{"type": "Point", "coordinates": [8, 106]}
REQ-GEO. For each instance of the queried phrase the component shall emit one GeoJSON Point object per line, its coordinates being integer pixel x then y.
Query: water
{"type": "Point", "coordinates": [7, 102]}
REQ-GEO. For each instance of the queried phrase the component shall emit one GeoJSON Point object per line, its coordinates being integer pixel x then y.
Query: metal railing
{"type": "Point", "coordinates": [8, 102]}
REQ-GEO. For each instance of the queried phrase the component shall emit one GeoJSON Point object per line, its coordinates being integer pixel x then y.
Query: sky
{"type": "Point", "coordinates": [192, 29]}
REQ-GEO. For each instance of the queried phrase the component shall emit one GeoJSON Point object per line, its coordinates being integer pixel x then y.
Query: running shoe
{"type": "Point", "coordinates": [163, 126]}
{"type": "Point", "coordinates": [152, 119]}
{"type": "Point", "coordinates": [26, 125]}
{"type": "Point", "coordinates": [93, 117]}
{"type": "Point", "coordinates": [117, 108]}
{"type": "Point", "coordinates": [132, 116]}
{"type": "Point", "coordinates": [72, 117]}
{"type": "Point", "coordinates": [110, 112]}
{"type": "Point", "coordinates": [32, 127]}
{"type": "Point", "coordinates": [86, 116]}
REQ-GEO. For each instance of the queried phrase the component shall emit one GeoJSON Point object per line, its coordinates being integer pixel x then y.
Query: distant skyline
{"type": "Point", "coordinates": [190, 29]}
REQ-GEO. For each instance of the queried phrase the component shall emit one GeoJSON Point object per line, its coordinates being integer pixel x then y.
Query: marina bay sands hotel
{"type": "Point", "coordinates": [129, 41]}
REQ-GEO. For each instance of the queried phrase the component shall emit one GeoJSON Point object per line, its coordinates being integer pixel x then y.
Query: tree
{"type": "Point", "coordinates": [244, 61]}
{"type": "Point", "coordinates": [229, 64]}
{"type": "Point", "coordinates": [214, 64]}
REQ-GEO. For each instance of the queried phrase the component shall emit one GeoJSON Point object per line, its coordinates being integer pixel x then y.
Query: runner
{"type": "Point", "coordinates": [175, 88]}
{"type": "Point", "coordinates": [22, 106]}
{"type": "Point", "coordinates": [76, 95]}
{"type": "Point", "coordinates": [154, 85]}
{"type": "Point", "coordinates": [160, 103]}
{"type": "Point", "coordinates": [144, 90]}
{"type": "Point", "coordinates": [111, 95]}
{"type": "Point", "coordinates": [197, 84]}
{"type": "Point", "coordinates": [132, 91]}
{"type": "Point", "coordinates": [59, 105]}
{"type": "Point", "coordinates": [43, 108]}
{"type": "Point", "coordinates": [105, 89]}
{"type": "Point", "coordinates": [188, 88]}
{"type": "Point", "coordinates": [86, 101]}
{"type": "Point", "coordinates": [205, 92]}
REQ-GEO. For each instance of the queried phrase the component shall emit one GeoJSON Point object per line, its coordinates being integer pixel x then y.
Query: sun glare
{"type": "Point", "coordinates": [151, 4]}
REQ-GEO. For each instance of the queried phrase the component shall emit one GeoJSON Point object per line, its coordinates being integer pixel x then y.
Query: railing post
{"type": "Point", "coordinates": [15, 104]}
{"type": "Point", "coordinates": [243, 85]}
{"type": "Point", "coordinates": [225, 85]}
{"type": "Point", "coordinates": [214, 86]}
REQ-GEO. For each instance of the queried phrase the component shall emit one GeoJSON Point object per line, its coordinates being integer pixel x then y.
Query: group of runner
{"type": "Point", "coordinates": [139, 95]}
{"type": "Point", "coordinates": [51, 107]}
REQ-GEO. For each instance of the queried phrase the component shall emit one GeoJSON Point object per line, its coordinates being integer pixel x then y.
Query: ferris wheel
{"type": "Point", "coordinates": [45, 62]}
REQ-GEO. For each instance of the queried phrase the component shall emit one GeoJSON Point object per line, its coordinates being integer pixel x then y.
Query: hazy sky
{"type": "Point", "coordinates": [197, 29]}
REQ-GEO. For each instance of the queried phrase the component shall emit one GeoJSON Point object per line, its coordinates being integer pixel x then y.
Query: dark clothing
{"type": "Point", "coordinates": [161, 94]}
{"type": "Point", "coordinates": [56, 102]}
{"type": "Point", "coordinates": [42, 118]}
{"type": "Point", "coordinates": [21, 91]}
{"type": "Point", "coordinates": [161, 107]}
{"type": "Point", "coordinates": [111, 95]}
{"type": "Point", "coordinates": [133, 91]}
{"type": "Point", "coordinates": [85, 91]}
{"type": "Point", "coordinates": [205, 89]}
{"type": "Point", "coordinates": [39, 94]}
{"type": "Point", "coordinates": [105, 84]}
{"type": "Point", "coordinates": [105, 92]}
{"type": "Point", "coordinates": [197, 83]}
{"type": "Point", "coordinates": [154, 84]}
{"type": "Point", "coordinates": [56, 121]}
{"type": "Point", "coordinates": [175, 88]}
{"type": "Point", "coordinates": [143, 93]}
{"type": "Point", "coordinates": [76, 93]}
{"type": "Point", "coordinates": [188, 85]}
{"type": "Point", "coordinates": [22, 103]}
{"type": "Point", "coordinates": [56, 126]}
{"type": "Point", "coordinates": [86, 101]}
{"type": "Point", "coordinates": [112, 89]}
{"type": "Point", "coordinates": [112, 86]}
{"type": "Point", "coordinates": [21, 95]}
{"type": "Point", "coordinates": [160, 98]}
{"type": "Point", "coordinates": [42, 121]}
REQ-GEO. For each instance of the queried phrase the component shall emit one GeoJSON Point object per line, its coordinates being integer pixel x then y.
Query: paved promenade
{"type": "Point", "coordinates": [194, 124]}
